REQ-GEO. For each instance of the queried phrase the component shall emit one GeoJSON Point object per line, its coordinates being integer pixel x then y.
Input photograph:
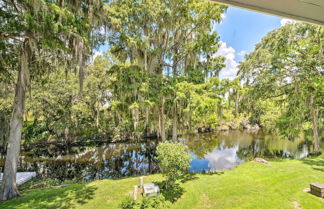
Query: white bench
{"type": "Point", "coordinates": [151, 189]}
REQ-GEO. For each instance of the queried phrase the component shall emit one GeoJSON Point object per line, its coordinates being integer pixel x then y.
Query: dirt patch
{"type": "Point", "coordinates": [207, 202]}
{"type": "Point", "coordinates": [307, 190]}
{"type": "Point", "coordinates": [261, 160]}
{"type": "Point", "coordinates": [296, 205]}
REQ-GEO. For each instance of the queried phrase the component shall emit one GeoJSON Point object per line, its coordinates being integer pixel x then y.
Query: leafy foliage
{"type": "Point", "coordinates": [286, 71]}
{"type": "Point", "coordinates": [147, 202]}
{"type": "Point", "coordinates": [173, 160]}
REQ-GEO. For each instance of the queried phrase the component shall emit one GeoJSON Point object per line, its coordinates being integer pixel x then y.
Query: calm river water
{"type": "Point", "coordinates": [215, 151]}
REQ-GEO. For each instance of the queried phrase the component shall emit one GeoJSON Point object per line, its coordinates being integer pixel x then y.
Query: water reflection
{"type": "Point", "coordinates": [219, 151]}
{"type": "Point", "coordinates": [96, 162]}
{"type": "Point", "coordinates": [226, 150]}
{"type": "Point", "coordinates": [223, 159]}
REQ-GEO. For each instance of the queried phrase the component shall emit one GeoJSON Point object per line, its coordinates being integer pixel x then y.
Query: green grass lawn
{"type": "Point", "coordinates": [251, 185]}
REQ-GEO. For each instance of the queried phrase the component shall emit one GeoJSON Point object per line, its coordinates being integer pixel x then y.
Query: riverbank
{"type": "Point", "coordinates": [250, 185]}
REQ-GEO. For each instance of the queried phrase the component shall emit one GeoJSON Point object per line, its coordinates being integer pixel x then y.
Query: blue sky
{"type": "Point", "coordinates": [242, 29]}
{"type": "Point", "coordinates": [239, 31]}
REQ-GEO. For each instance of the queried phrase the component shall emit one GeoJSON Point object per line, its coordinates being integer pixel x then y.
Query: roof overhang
{"type": "Point", "coordinates": [311, 11]}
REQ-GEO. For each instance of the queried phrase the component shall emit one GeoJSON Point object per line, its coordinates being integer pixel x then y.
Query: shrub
{"type": "Point", "coordinates": [128, 203]}
{"type": "Point", "coordinates": [158, 202]}
{"type": "Point", "coordinates": [173, 160]}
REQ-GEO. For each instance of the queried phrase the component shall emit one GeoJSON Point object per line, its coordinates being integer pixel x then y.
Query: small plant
{"type": "Point", "coordinates": [128, 203]}
{"type": "Point", "coordinates": [173, 160]}
{"type": "Point", "coordinates": [158, 202]}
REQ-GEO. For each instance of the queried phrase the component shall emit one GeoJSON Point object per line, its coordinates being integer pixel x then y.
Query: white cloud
{"type": "Point", "coordinates": [285, 21]}
{"type": "Point", "coordinates": [241, 53]}
{"type": "Point", "coordinates": [223, 16]}
{"type": "Point", "coordinates": [231, 68]}
{"type": "Point", "coordinates": [95, 54]}
{"type": "Point", "coordinates": [223, 158]}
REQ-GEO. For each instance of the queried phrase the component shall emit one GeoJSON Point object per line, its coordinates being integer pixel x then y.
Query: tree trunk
{"type": "Point", "coordinates": [136, 121]}
{"type": "Point", "coordinates": [97, 114]}
{"type": "Point", "coordinates": [175, 61]}
{"type": "Point", "coordinates": [159, 124]}
{"type": "Point", "coordinates": [146, 125]}
{"type": "Point", "coordinates": [314, 116]}
{"type": "Point", "coordinates": [8, 187]}
{"type": "Point", "coordinates": [175, 74]}
{"type": "Point", "coordinates": [162, 125]}
{"type": "Point", "coordinates": [82, 63]}
{"type": "Point", "coordinates": [236, 102]}
{"type": "Point", "coordinates": [3, 130]}
{"type": "Point", "coordinates": [174, 122]}
{"type": "Point", "coordinates": [145, 60]}
{"type": "Point", "coordinates": [207, 67]}
{"type": "Point", "coordinates": [220, 112]}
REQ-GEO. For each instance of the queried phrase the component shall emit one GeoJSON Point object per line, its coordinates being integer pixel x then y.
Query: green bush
{"type": "Point", "coordinates": [173, 160]}
{"type": "Point", "coordinates": [154, 202]}
{"type": "Point", "coordinates": [128, 203]}
{"type": "Point", "coordinates": [158, 202]}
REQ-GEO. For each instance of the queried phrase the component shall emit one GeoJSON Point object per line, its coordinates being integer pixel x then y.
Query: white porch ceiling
{"type": "Point", "coordinates": [311, 11]}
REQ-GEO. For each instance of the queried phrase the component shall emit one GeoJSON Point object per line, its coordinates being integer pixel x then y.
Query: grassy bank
{"type": "Point", "coordinates": [251, 185]}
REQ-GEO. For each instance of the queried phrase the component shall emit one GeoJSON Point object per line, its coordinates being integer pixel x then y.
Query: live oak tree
{"type": "Point", "coordinates": [287, 67]}
{"type": "Point", "coordinates": [37, 36]}
{"type": "Point", "coordinates": [158, 44]}
{"type": "Point", "coordinates": [55, 111]}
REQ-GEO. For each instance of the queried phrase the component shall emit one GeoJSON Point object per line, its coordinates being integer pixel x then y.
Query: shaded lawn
{"type": "Point", "coordinates": [251, 185]}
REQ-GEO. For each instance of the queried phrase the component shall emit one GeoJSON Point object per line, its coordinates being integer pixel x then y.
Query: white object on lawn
{"type": "Point", "coordinates": [151, 189]}
{"type": "Point", "coordinates": [135, 193]}
{"type": "Point", "coordinates": [141, 182]}
{"type": "Point", "coordinates": [22, 177]}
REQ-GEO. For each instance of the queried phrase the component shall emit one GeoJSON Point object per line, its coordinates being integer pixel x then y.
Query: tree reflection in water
{"type": "Point", "coordinates": [216, 151]}
{"type": "Point", "coordinates": [226, 150]}
{"type": "Point", "coordinates": [86, 163]}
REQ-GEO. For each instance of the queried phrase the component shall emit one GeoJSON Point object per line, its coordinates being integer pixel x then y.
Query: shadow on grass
{"type": "Point", "coordinates": [63, 198]}
{"type": "Point", "coordinates": [193, 176]}
{"type": "Point", "coordinates": [189, 177]}
{"type": "Point", "coordinates": [210, 173]}
{"type": "Point", "coordinates": [170, 193]}
{"type": "Point", "coordinates": [174, 192]}
{"type": "Point", "coordinates": [316, 163]}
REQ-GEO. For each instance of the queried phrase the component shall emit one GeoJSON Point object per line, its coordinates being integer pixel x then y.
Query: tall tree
{"type": "Point", "coordinates": [167, 41]}
{"type": "Point", "coordinates": [288, 66]}
{"type": "Point", "coordinates": [42, 34]}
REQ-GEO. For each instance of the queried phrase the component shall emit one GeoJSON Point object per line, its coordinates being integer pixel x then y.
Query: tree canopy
{"type": "Point", "coordinates": [286, 69]}
{"type": "Point", "coordinates": [158, 75]}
